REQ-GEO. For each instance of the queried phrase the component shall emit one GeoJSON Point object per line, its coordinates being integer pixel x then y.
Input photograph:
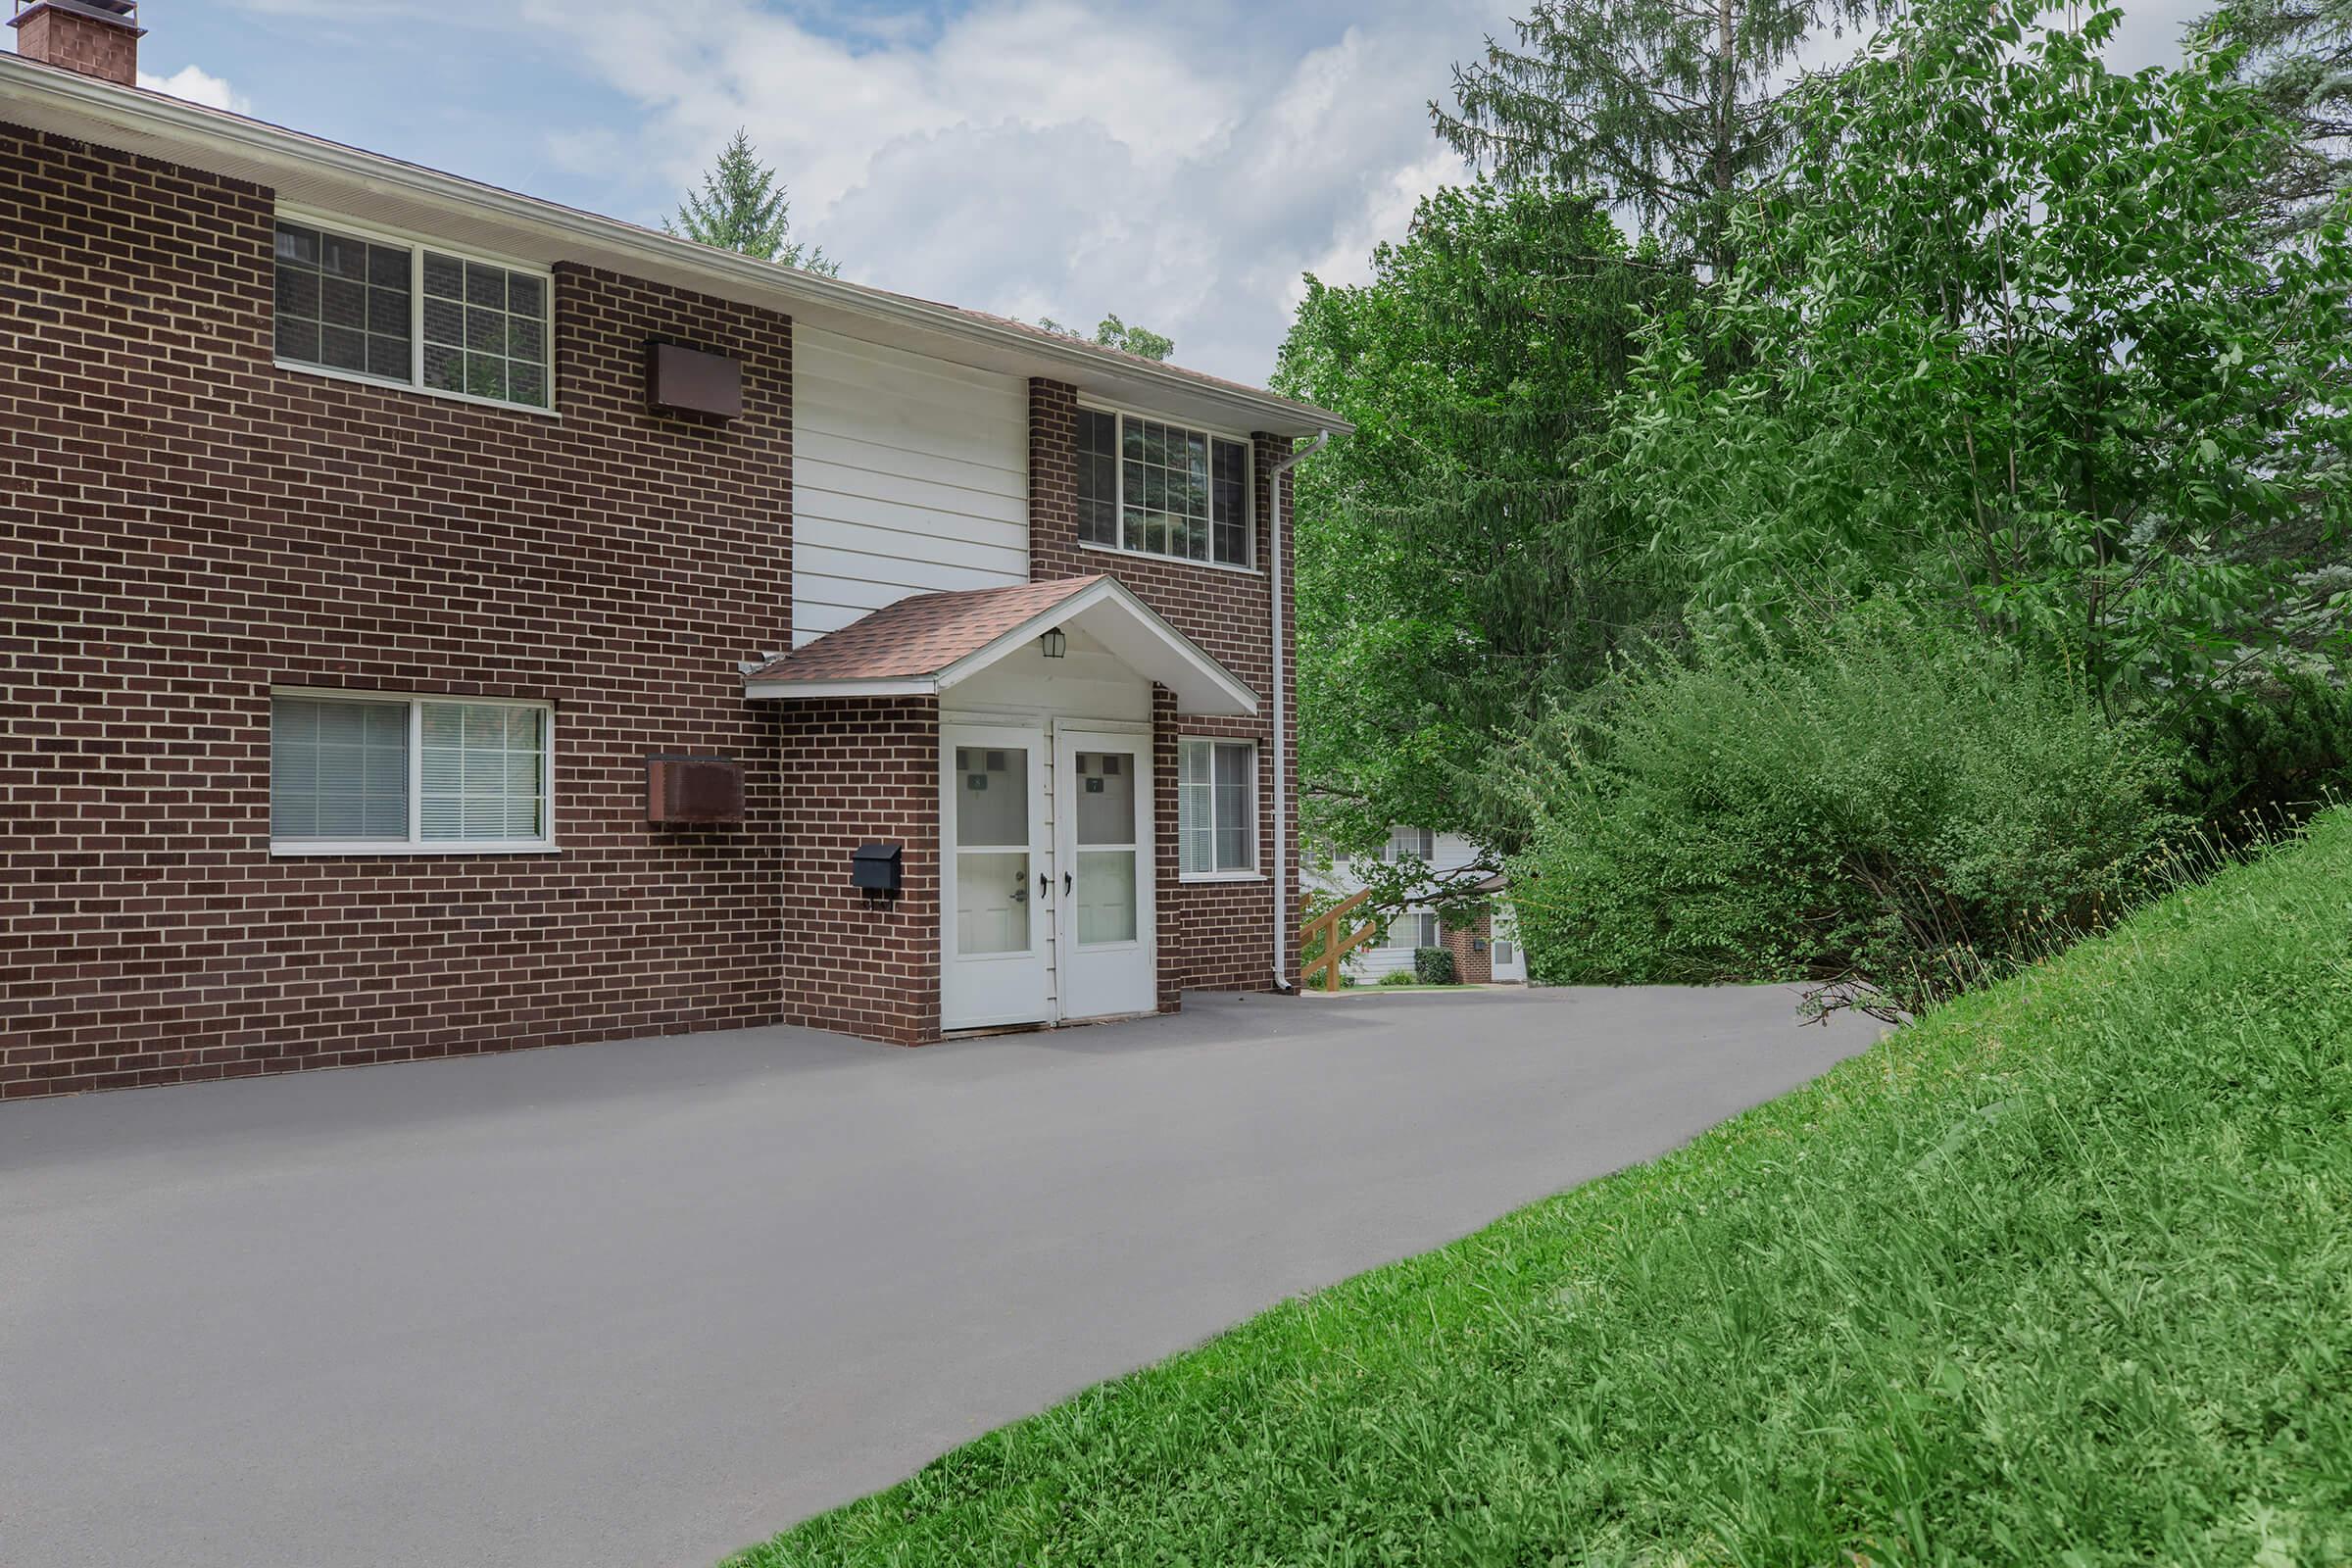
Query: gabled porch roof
{"type": "Point", "coordinates": [925, 645]}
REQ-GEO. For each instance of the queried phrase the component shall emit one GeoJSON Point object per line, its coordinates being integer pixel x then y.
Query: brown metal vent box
{"type": "Point", "coordinates": [692, 789]}
{"type": "Point", "coordinates": [684, 380]}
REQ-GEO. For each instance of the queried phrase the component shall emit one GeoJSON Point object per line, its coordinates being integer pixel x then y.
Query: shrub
{"type": "Point", "coordinates": [1400, 977]}
{"type": "Point", "coordinates": [1434, 966]}
{"type": "Point", "coordinates": [1894, 810]}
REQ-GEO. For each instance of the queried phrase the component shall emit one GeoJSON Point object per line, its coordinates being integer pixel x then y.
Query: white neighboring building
{"type": "Point", "coordinates": [1419, 927]}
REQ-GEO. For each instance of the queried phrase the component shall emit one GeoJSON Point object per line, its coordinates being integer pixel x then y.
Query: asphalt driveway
{"type": "Point", "coordinates": [645, 1303]}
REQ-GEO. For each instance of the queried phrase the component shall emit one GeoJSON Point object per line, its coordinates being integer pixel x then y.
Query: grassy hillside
{"type": "Point", "coordinates": [2061, 1275]}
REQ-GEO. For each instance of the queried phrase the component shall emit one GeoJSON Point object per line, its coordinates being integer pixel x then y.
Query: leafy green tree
{"type": "Point", "coordinates": [1668, 110]}
{"type": "Point", "coordinates": [1459, 563]}
{"type": "Point", "coordinates": [2007, 343]}
{"type": "Point", "coordinates": [2297, 55]}
{"type": "Point", "coordinates": [1114, 334]}
{"type": "Point", "coordinates": [743, 207]}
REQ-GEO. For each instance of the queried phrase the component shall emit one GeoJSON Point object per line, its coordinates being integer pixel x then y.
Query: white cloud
{"type": "Point", "coordinates": [1180, 166]}
{"type": "Point", "coordinates": [198, 86]}
{"type": "Point", "coordinates": [1067, 158]}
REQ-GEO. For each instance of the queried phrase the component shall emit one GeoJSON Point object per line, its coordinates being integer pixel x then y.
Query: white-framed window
{"type": "Point", "coordinates": [1413, 931]}
{"type": "Point", "coordinates": [1161, 489]}
{"type": "Point", "coordinates": [410, 313]}
{"type": "Point", "coordinates": [372, 772]}
{"type": "Point", "coordinates": [1216, 808]}
{"type": "Point", "coordinates": [1410, 844]}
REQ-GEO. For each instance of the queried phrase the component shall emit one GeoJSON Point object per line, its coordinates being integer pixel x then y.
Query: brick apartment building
{"type": "Point", "coordinates": [440, 620]}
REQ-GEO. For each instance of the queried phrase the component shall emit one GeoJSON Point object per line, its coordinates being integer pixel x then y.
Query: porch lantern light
{"type": "Point", "coordinates": [1055, 643]}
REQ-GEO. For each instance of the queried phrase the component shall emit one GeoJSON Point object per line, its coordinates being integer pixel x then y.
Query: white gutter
{"type": "Point", "coordinates": [1281, 884]}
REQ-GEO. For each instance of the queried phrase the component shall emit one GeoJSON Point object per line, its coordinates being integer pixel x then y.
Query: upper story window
{"type": "Point", "coordinates": [1409, 843]}
{"type": "Point", "coordinates": [413, 316]}
{"type": "Point", "coordinates": [1162, 489]}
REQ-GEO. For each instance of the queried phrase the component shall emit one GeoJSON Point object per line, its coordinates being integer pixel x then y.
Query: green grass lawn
{"type": "Point", "coordinates": [2060, 1275]}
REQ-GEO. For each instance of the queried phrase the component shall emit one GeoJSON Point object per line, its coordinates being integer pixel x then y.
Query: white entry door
{"type": "Point", "coordinates": [1104, 946]}
{"type": "Point", "coordinates": [995, 877]}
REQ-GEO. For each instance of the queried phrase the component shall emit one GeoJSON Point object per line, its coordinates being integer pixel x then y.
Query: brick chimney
{"type": "Point", "coordinates": [96, 37]}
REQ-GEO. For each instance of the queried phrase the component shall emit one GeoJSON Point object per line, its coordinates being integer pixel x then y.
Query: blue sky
{"type": "Point", "coordinates": [1181, 165]}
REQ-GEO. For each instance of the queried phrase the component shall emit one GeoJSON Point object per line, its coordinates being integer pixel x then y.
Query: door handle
{"type": "Point", "coordinates": [1045, 883]}
{"type": "Point", "coordinates": [1065, 884]}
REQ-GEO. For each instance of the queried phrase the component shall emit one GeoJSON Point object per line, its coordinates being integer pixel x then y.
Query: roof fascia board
{"type": "Point", "coordinates": [799, 690]}
{"type": "Point", "coordinates": [119, 105]}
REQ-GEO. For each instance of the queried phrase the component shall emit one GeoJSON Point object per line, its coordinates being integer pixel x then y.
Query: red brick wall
{"type": "Point", "coordinates": [102, 49]}
{"type": "Point", "coordinates": [183, 526]}
{"type": "Point", "coordinates": [1212, 935]}
{"type": "Point", "coordinates": [1473, 953]}
{"type": "Point", "coordinates": [861, 770]}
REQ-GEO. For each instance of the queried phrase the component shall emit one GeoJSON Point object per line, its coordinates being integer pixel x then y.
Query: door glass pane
{"type": "Point", "coordinates": [992, 797]}
{"type": "Point", "coordinates": [992, 902]}
{"type": "Point", "coordinates": [1105, 798]}
{"type": "Point", "coordinates": [1106, 895]}
{"type": "Point", "coordinates": [993, 890]}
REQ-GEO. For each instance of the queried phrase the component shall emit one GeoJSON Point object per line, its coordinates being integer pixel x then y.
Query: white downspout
{"type": "Point", "coordinates": [1282, 882]}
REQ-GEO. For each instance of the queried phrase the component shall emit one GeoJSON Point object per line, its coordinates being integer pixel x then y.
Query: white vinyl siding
{"type": "Point", "coordinates": [909, 475]}
{"type": "Point", "coordinates": [368, 772]}
{"type": "Point", "coordinates": [1216, 809]}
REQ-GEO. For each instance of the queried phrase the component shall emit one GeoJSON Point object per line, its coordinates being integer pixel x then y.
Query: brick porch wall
{"type": "Point", "coordinates": [184, 527]}
{"type": "Point", "coordinates": [1212, 935]}
{"type": "Point", "coordinates": [862, 770]}
{"type": "Point", "coordinates": [1473, 950]}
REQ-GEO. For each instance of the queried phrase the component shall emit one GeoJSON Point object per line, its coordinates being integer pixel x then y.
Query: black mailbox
{"type": "Point", "coordinates": [874, 867]}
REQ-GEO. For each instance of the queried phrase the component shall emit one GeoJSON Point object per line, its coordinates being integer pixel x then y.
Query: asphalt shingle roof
{"type": "Point", "coordinates": [920, 636]}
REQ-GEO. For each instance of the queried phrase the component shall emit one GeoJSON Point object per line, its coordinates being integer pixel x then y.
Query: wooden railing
{"type": "Point", "coordinates": [1334, 946]}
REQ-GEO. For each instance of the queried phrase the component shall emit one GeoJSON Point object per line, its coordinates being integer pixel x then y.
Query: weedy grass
{"type": "Point", "coordinates": [2060, 1274]}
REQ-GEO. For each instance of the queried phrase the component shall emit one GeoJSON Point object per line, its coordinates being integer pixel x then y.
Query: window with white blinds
{"type": "Point", "coordinates": [1413, 931]}
{"type": "Point", "coordinates": [1216, 808]}
{"type": "Point", "coordinates": [383, 774]}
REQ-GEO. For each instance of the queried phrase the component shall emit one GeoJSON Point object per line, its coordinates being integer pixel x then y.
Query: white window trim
{"type": "Point", "coordinates": [1255, 871]}
{"type": "Point", "coordinates": [1118, 499]}
{"type": "Point", "coordinates": [415, 843]}
{"type": "Point", "coordinates": [416, 245]}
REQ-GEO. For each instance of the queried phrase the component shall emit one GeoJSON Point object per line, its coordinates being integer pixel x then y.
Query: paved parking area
{"type": "Point", "coordinates": [644, 1303]}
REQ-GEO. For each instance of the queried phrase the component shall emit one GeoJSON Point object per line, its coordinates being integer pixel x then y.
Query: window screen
{"type": "Point", "coordinates": [343, 303]}
{"type": "Point", "coordinates": [337, 769]}
{"type": "Point", "coordinates": [484, 773]}
{"type": "Point", "coordinates": [485, 331]}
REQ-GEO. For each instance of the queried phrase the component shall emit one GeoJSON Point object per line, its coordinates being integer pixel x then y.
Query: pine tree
{"type": "Point", "coordinates": [743, 207]}
{"type": "Point", "coordinates": [1666, 110]}
{"type": "Point", "coordinates": [2297, 56]}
